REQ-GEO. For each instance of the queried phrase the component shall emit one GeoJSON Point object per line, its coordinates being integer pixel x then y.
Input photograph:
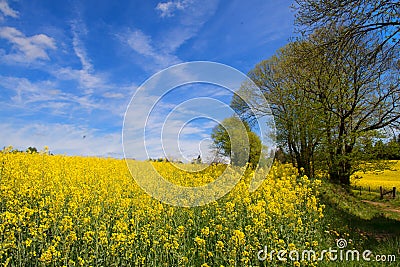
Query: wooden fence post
{"type": "Point", "coordinates": [393, 192]}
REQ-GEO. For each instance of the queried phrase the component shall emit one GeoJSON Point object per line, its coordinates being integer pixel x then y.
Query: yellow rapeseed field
{"type": "Point", "coordinates": [84, 211]}
{"type": "Point", "coordinates": [374, 179]}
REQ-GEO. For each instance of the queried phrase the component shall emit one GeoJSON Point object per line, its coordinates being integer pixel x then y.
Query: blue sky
{"type": "Point", "coordinates": [68, 69]}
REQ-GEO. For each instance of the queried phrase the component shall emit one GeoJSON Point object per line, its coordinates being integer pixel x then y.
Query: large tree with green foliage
{"type": "Point", "coordinates": [298, 122]}
{"type": "Point", "coordinates": [357, 18]}
{"type": "Point", "coordinates": [364, 50]}
{"type": "Point", "coordinates": [234, 139]}
{"type": "Point", "coordinates": [324, 102]}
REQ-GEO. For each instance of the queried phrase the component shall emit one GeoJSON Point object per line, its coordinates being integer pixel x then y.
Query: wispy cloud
{"type": "Point", "coordinates": [193, 15]}
{"type": "Point", "coordinates": [7, 10]}
{"type": "Point", "coordinates": [79, 49]}
{"type": "Point", "coordinates": [23, 91]}
{"type": "Point", "coordinates": [62, 138]}
{"type": "Point", "coordinates": [86, 76]}
{"type": "Point", "coordinates": [143, 45]}
{"type": "Point", "coordinates": [114, 95]}
{"type": "Point", "coordinates": [162, 48]}
{"type": "Point", "coordinates": [36, 96]}
{"type": "Point", "coordinates": [90, 81]}
{"type": "Point", "coordinates": [50, 95]}
{"type": "Point", "coordinates": [26, 49]}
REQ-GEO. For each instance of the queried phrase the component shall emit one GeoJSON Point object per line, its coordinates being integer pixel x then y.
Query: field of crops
{"type": "Point", "coordinates": [374, 179]}
{"type": "Point", "coordinates": [81, 211]}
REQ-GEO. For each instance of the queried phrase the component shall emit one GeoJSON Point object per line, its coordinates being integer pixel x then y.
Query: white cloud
{"type": "Point", "coordinates": [113, 95]}
{"type": "Point", "coordinates": [87, 80]}
{"type": "Point", "coordinates": [96, 91]}
{"type": "Point", "coordinates": [96, 85]}
{"type": "Point", "coordinates": [92, 82]}
{"type": "Point", "coordinates": [7, 10]}
{"type": "Point", "coordinates": [167, 9]}
{"type": "Point", "coordinates": [27, 49]}
{"type": "Point", "coordinates": [61, 138]}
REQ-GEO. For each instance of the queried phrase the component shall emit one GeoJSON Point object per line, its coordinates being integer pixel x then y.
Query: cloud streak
{"type": "Point", "coordinates": [7, 10]}
{"type": "Point", "coordinates": [86, 77]}
{"type": "Point", "coordinates": [143, 44]}
{"type": "Point", "coordinates": [90, 81]}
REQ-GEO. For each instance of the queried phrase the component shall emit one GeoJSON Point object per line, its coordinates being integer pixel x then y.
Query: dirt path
{"type": "Point", "coordinates": [384, 206]}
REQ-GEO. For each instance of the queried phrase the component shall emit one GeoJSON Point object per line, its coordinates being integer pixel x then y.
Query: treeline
{"type": "Point", "coordinates": [370, 150]}
{"type": "Point", "coordinates": [166, 159]}
{"type": "Point", "coordinates": [384, 151]}
{"type": "Point", "coordinates": [30, 150]}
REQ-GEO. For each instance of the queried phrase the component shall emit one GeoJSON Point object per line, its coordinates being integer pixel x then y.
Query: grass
{"type": "Point", "coordinates": [370, 222]}
{"type": "Point", "coordinates": [366, 189]}
{"type": "Point", "coordinates": [390, 205]}
{"type": "Point", "coordinates": [369, 226]}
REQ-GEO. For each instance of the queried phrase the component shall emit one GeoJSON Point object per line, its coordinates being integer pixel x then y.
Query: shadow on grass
{"type": "Point", "coordinates": [374, 228]}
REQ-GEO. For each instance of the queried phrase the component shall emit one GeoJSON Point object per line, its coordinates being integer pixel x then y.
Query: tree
{"type": "Point", "coordinates": [361, 96]}
{"type": "Point", "coordinates": [281, 155]}
{"type": "Point", "coordinates": [32, 150]}
{"type": "Point", "coordinates": [393, 149]}
{"type": "Point", "coordinates": [255, 149]}
{"type": "Point", "coordinates": [234, 139]}
{"type": "Point", "coordinates": [197, 160]}
{"type": "Point", "coordinates": [324, 102]}
{"type": "Point", "coordinates": [358, 19]}
{"type": "Point", "coordinates": [283, 80]}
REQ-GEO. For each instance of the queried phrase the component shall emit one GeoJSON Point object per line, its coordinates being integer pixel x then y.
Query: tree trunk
{"type": "Point", "coordinates": [340, 173]}
{"type": "Point", "coordinates": [341, 166]}
{"type": "Point", "coordinates": [304, 164]}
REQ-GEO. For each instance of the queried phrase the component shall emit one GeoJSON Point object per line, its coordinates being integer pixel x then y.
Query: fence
{"type": "Point", "coordinates": [381, 191]}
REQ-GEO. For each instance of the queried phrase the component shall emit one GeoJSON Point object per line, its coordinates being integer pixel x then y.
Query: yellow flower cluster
{"type": "Point", "coordinates": [84, 211]}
